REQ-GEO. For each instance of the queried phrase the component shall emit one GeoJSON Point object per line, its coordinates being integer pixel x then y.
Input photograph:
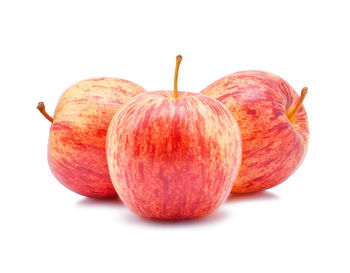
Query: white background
{"type": "Point", "coordinates": [300, 226]}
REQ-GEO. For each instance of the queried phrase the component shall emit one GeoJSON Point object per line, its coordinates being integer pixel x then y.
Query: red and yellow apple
{"type": "Point", "coordinates": [273, 125]}
{"type": "Point", "coordinates": [173, 155]}
{"type": "Point", "coordinates": [76, 150]}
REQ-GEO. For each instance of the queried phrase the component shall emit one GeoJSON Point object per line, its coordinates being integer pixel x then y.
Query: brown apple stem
{"type": "Point", "coordinates": [41, 108]}
{"type": "Point", "coordinates": [178, 62]}
{"type": "Point", "coordinates": [294, 110]}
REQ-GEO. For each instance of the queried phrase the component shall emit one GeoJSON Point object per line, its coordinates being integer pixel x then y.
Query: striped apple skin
{"type": "Point", "coordinates": [173, 159]}
{"type": "Point", "coordinates": [76, 150]}
{"type": "Point", "coordinates": [273, 147]}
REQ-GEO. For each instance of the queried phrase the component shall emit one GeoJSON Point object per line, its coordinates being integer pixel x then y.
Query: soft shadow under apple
{"type": "Point", "coordinates": [91, 202]}
{"type": "Point", "coordinates": [260, 196]}
{"type": "Point", "coordinates": [217, 216]}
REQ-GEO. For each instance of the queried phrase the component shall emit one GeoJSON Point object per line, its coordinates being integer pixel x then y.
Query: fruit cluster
{"type": "Point", "coordinates": [176, 155]}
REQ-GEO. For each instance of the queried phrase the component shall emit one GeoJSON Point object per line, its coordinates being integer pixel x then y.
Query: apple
{"type": "Point", "coordinates": [273, 124]}
{"type": "Point", "coordinates": [173, 155]}
{"type": "Point", "coordinates": [76, 150]}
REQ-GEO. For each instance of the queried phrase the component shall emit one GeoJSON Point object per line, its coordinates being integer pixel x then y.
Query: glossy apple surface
{"type": "Point", "coordinates": [76, 150]}
{"type": "Point", "coordinates": [273, 144]}
{"type": "Point", "coordinates": [173, 158]}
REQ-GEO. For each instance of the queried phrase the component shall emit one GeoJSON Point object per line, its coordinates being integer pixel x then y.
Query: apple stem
{"type": "Point", "coordinates": [295, 109]}
{"type": "Point", "coordinates": [41, 108]}
{"type": "Point", "coordinates": [178, 61]}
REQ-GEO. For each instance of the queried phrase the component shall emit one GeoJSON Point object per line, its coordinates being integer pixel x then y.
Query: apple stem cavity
{"type": "Point", "coordinates": [41, 108]}
{"type": "Point", "coordinates": [291, 112]}
{"type": "Point", "coordinates": [178, 62]}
